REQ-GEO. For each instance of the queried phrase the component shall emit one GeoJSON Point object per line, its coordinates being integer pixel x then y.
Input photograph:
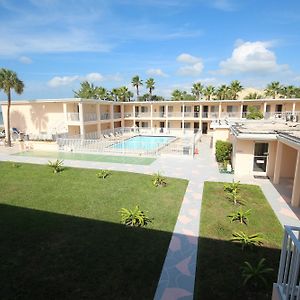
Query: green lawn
{"type": "Point", "coordinates": [61, 236]}
{"type": "Point", "coordinates": [90, 157]}
{"type": "Point", "coordinates": [219, 260]}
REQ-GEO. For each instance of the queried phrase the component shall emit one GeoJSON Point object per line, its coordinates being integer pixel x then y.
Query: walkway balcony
{"type": "Point", "coordinates": [73, 117]}
{"type": "Point", "coordinates": [287, 286]}
{"type": "Point", "coordinates": [143, 115]}
{"type": "Point", "coordinates": [128, 115]}
{"type": "Point", "coordinates": [210, 115]}
{"type": "Point", "coordinates": [105, 116]}
{"type": "Point", "coordinates": [177, 115]}
{"type": "Point", "coordinates": [117, 115]}
{"type": "Point", "coordinates": [88, 117]}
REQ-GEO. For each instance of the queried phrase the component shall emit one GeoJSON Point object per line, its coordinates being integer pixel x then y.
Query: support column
{"type": "Point", "coordinates": [98, 119]}
{"type": "Point", "coordinates": [296, 185]}
{"type": "Point", "coordinates": [81, 120]}
{"type": "Point", "coordinates": [220, 111]}
{"type": "Point", "coordinates": [167, 116]}
{"type": "Point", "coordinates": [278, 159]}
{"type": "Point", "coordinates": [200, 117]}
{"type": "Point", "coordinates": [265, 109]}
{"type": "Point", "coordinates": [133, 115]}
{"type": "Point", "coordinates": [182, 118]}
{"type": "Point", "coordinates": [122, 116]}
{"type": "Point", "coordinates": [111, 116]}
{"type": "Point", "coordinates": [151, 116]}
{"type": "Point", "coordinates": [241, 113]}
{"type": "Point", "coordinates": [294, 108]}
{"type": "Point", "coordinates": [65, 110]}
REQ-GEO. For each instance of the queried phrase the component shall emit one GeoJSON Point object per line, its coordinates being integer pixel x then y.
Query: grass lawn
{"type": "Point", "coordinates": [219, 260]}
{"type": "Point", "coordinates": [90, 157]}
{"type": "Point", "coordinates": [61, 236]}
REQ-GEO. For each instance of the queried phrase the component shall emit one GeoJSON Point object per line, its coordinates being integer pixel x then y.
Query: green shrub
{"type": "Point", "coordinates": [57, 165]}
{"type": "Point", "coordinates": [103, 174]}
{"type": "Point", "coordinates": [158, 180]}
{"type": "Point", "coordinates": [232, 190]}
{"type": "Point", "coordinates": [134, 217]}
{"type": "Point", "coordinates": [240, 215]}
{"type": "Point", "coordinates": [247, 240]}
{"type": "Point", "coordinates": [254, 114]}
{"type": "Point", "coordinates": [255, 274]}
{"type": "Point", "coordinates": [223, 151]}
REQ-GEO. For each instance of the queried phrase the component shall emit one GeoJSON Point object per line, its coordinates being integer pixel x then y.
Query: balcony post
{"type": "Point", "coordinates": [182, 117]}
{"type": "Point", "coordinates": [151, 116]}
{"type": "Point", "coordinates": [167, 116]}
{"type": "Point", "coordinates": [294, 108]}
{"type": "Point", "coordinates": [265, 109]}
{"type": "Point", "coordinates": [122, 116]}
{"type": "Point", "coordinates": [98, 118]}
{"type": "Point", "coordinates": [296, 186]}
{"type": "Point", "coordinates": [241, 113]}
{"type": "Point", "coordinates": [278, 160]}
{"type": "Point", "coordinates": [220, 110]}
{"type": "Point", "coordinates": [112, 117]}
{"type": "Point", "coordinates": [81, 120]}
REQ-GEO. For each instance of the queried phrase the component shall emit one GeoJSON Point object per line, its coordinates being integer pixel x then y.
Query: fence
{"type": "Point", "coordinates": [288, 275]}
{"type": "Point", "coordinates": [115, 141]}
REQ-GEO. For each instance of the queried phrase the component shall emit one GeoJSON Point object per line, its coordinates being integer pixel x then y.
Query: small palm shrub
{"type": "Point", "coordinates": [255, 274]}
{"type": "Point", "coordinates": [240, 215]}
{"type": "Point", "coordinates": [57, 166]}
{"type": "Point", "coordinates": [134, 217]}
{"type": "Point", "coordinates": [103, 174]}
{"type": "Point", "coordinates": [232, 190]}
{"type": "Point", "coordinates": [223, 151]}
{"type": "Point", "coordinates": [158, 180]}
{"type": "Point", "coordinates": [247, 240]}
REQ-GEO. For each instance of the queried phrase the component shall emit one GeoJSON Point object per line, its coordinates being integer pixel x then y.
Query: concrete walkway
{"type": "Point", "coordinates": [179, 269]}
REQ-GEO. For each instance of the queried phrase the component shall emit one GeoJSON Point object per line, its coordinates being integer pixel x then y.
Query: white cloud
{"type": "Point", "coordinates": [207, 81]}
{"type": "Point", "coordinates": [62, 81]}
{"type": "Point", "coordinates": [93, 77]}
{"type": "Point", "coordinates": [156, 72]}
{"type": "Point", "coordinates": [250, 57]}
{"type": "Point", "coordinates": [191, 70]}
{"type": "Point", "coordinates": [188, 58]}
{"type": "Point", "coordinates": [25, 60]}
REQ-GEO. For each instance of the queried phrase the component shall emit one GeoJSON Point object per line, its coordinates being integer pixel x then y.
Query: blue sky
{"type": "Point", "coordinates": [53, 44]}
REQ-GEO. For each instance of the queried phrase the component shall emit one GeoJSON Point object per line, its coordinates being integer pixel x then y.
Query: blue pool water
{"type": "Point", "coordinates": [143, 142]}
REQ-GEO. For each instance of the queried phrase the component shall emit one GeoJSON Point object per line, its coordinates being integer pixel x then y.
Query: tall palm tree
{"type": "Point", "coordinates": [101, 93]}
{"type": "Point", "coordinates": [222, 92]}
{"type": "Point", "coordinates": [150, 84]}
{"type": "Point", "coordinates": [235, 88]}
{"type": "Point", "coordinates": [87, 91]}
{"type": "Point", "coordinates": [208, 92]}
{"type": "Point", "coordinates": [254, 95]}
{"type": "Point", "coordinates": [288, 91]}
{"type": "Point", "coordinates": [273, 89]}
{"type": "Point", "coordinates": [177, 95]}
{"type": "Point", "coordinates": [197, 90]}
{"type": "Point", "coordinates": [9, 81]}
{"type": "Point", "coordinates": [137, 82]}
{"type": "Point", "coordinates": [115, 94]}
{"type": "Point", "coordinates": [124, 94]}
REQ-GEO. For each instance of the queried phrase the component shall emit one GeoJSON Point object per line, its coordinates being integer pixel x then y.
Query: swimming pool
{"type": "Point", "coordinates": [144, 142]}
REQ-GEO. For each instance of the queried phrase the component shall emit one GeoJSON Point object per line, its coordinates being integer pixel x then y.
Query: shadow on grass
{"type": "Point", "coordinates": [219, 270]}
{"type": "Point", "coordinates": [51, 256]}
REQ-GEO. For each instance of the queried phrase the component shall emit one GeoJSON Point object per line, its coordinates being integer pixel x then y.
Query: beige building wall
{"type": "Point", "coordinates": [36, 117]}
{"type": "Point", "coordinates": [289, 157]}
{"type": "Point", "coordinates": [271, 158]}
{"type": "Point", "coordinates": [243, 157]}
{"type": "Point", "coordinates": [221, 134]}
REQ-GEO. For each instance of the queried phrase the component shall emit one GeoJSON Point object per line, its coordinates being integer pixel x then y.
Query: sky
{"type": "Point", "coordinates": [53, 45]}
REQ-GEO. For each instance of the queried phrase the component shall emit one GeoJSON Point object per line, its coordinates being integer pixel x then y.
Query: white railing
{"type": "Point", "coordinates": [117, 115]}
{"type": "Point", "coordinates": [105, 116]}
{"type": "Point", "coordinates": [87, 117]}
{"type": "Point", "coordinates": [127, 114]}
{"type": "Point", "coordinates": [73, 116]}
{"type": "Point", "coordinates": [288, 274]}
{"type": "Point", "coordinates": [143, 115]}
{"type": "Point", "coordinates": [229, 115]}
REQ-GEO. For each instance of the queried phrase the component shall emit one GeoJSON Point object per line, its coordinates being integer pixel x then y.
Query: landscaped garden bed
{"type": "Point", "coordinates": [221, 262]}
{"type": "Point", "coordinates": [62, 237]}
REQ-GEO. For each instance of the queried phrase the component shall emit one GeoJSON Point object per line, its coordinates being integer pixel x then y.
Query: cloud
{"type": "Point", "coordinates": [191, 70]}
{"type": "Point", "coordinates": [93, 77]}
{"type": "Point", "coordinates": [188, 58]}
{"type": "Point", "coordinates": [25, 60]}
{"type": "Point", "coordinates": [225, 5]}
{"type": "Point", "coordinates": [251, 57]}
{"type": "Point", "coordinates": [62, 81]}
{"type": "Point", "coordinates": [156, 72]}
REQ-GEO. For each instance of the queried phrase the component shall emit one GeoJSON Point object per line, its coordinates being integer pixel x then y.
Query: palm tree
{"type": "Point", "coordinates": [235, 88]}
{"type": "Point", "coordinates": [101, 93]}
{"type": "Point", "coordinates": [177, 95]}
{"type": "Point", "coordinates": [222, 92]}
{"type": "Point", "coordinates": [273, 89]}
{"type": "Point", "coordinates": [137, 82]}
{"type": "Point", "coordinates": [288, 91]}
{"type": "Point", "coordinates": [197, 90]}
{"type": "Point", "coordinates": [124, 94]}
{"type": "Point", "coordinates": [150, 84]}
{"type": "Point", "coordinates": [254, 95]}
{"type": "Point", "coordinates": [87, 91]}
{"type": "Point", "coordinates": [209, 91]}
{"type": "Point", "coordinates": [115, 94]}
{"type": "Point", "coordinates": [9, 80]}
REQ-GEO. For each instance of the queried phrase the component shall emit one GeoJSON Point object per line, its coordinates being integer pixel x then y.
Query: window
{"type": "Point", "coordinates": [144, 109]}
{"type": "Point", "coordinates": [170, 108]}
{"type": "Point", "coordinates": [145, 124]}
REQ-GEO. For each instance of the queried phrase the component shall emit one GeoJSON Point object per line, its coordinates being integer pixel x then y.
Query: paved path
{"type": "Point", "coordinates": [179, 269]}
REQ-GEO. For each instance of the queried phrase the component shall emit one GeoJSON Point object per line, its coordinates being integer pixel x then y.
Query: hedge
{"type": "Point", "coordinates": [223, 151]}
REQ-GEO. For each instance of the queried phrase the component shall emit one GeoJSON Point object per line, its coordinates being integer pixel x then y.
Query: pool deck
{"type": "Point", "coordinates": [179, 269]}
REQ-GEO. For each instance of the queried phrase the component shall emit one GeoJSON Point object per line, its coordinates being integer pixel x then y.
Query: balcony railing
{"type": "Point", "coordinates": [117, 115]}
{"type": "Point", "coordinates": [143, 115]}
{"type": "Point", "coordinates": [288, 280]}
{"type": "Point", "coordinates": [73, 117]}
{"type": "Point", "coordinates": [87, 117]}
{"type": "Point", "coordinates": [127, 114]}
{"type": "Point", "coordinates": [174, 115]}
{"type": "Point", "coordinates": [105, 116]}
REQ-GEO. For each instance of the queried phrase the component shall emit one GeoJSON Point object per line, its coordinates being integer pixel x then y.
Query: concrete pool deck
{"type": "Point", "coordinates": [179, 269]}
